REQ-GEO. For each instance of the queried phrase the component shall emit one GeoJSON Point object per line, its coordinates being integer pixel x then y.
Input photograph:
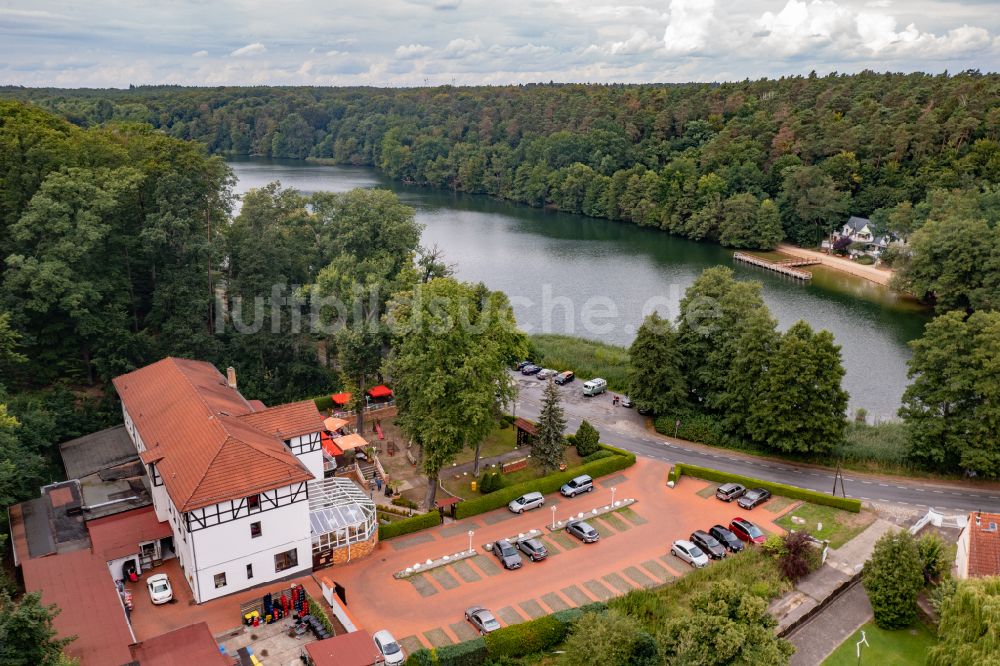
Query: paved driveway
{"type": "Point", "coordinates": [633, 552]}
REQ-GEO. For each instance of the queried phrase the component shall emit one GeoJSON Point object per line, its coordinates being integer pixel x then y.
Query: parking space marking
{"type": "Point", "coordinates": [422, 584]}
{"type": "Point", "coordinates": [661, 572]}
{"type": "Point", "coordinates": [411, 644]}
{"type": "Point", "coordinates": [409, 542]}
{"type": "Point", "coordinates": [616, 581]}
{"type": "Point", "coordinates": [532, 608]}
{"type": "Point", "coordinates": [602, 593]}
{"type": "Point", "coordinates": [466, 572]}
{"type": "Point", "coordinates": [438, 637]}
{"type": "Point", "coordinates": [495, 517]}
{"type": "Point", "coordinates": [616, 522]}
{"type": "Point", "coordinates": [609, 481]}
{"type": "Point", "coordinates": [629, 514]}
{"type": "Point", "coordinates": [550, 546]}
{"type": "Point", "coordinates": [510, 616]}
{"type": "Point", "coordinates": [554, 602]}
{"type": "Point", "coordinates": [602, 526]}
{"type": "Point", "coordinates": [463, 630]}
{"type": "Point", "coordinates": [673, 564]}
{"type": "Point", "coordinates": [486, 564]}
{"type": "Point", "coordinates": [577, 596]}
{"type": "Point", "coordinates": [636, 574]}
{"type": "Point", "coordinates": [458, 528]}
{"type": "Point", "coordinates": [444, 578]}
{"type": "Point", "coordinates": [564, 541]}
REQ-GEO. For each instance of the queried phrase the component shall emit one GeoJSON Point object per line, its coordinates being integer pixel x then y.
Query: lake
{"type": "Point", "coordinates": [597, 278]}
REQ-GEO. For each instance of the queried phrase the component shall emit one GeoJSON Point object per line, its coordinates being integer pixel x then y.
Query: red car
{"type": "Point", "coordinates": [746, 531]}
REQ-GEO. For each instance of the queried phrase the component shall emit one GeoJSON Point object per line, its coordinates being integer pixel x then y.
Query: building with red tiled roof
{"type": "Point", "coordinates": [352, 649]}
{"type": "Point", "coordinates": [979, 546]}
{"type": "Point", "coordinates": [188, 646]}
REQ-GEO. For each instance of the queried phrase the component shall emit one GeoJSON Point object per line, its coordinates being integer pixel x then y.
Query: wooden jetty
{"type": "Point", "coordinates": [789, 267]}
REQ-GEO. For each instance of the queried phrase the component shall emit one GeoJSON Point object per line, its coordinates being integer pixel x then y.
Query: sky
{"type": "Point", "coordinates": [99, 43]}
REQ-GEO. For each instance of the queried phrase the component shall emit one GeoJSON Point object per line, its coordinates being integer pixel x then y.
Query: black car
{"type": "Point", "coordinates": [645, 411]}
{"type": "Point", "coordinates": [753, 497]}
{"type": "Point", "coordinates": [531, 369]}
{"type": "Point", "coordinates": [728, 540]}
{"type": "Point", "coordinates": [709, 544]}
{"type": "Point", "coordinates": [520, 364]}
{"type": "Point", "coordinates": [533, 549]}
{"type": "Point", "coordinates": [727, 492]}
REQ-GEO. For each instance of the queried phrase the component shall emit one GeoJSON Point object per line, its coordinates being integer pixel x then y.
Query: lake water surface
{"type": "Point", "coordinates": [597, 278]}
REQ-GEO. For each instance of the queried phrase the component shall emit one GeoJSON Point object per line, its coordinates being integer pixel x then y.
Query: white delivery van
{"type": "Point", "coordinates": [595, 386]}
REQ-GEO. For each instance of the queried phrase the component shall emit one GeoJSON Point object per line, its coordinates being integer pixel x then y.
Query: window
{"type": "Point", "coordinates": [253, 502]}
{"type": "Point", "coordinates": [255, 530]}
{"type": "Point", "coordinates": [220, 580]}
{"type": "Point", "coordinates": [249, 571]}
{"type": "Point", "coordinates": [286, 560]}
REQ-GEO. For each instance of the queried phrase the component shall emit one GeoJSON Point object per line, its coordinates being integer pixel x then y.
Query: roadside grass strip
{"type": "Point", "coordinates": [602, 593]}
{"type": "Point", "coordinates": [411, 644]}
{"type": "Point", "coordinates": [661, 572]}
{"type": "Point", "coordinates": [576, 595]}
{"type": "Point", "coordinates": [777, 504]}
{"type": "Point", "coordinates": [458, 528]}
{"type": "Point", "coordinates": [616, 522]}
{"type": "Point", "coordinates": [437, 637]}
{"type": "Point", "coordinates": [466, 572]}
{"type": "Point", "coordinates": [616, 581]}
{"type": "Point", "coordinates": [409, 542]}
{"type": "Point", "coordinates": [609, 481]}
{"type": "Point", "coordinates": [629, 514]}
{"type": "Point", "coordinates": [463, 630]}
{"type": "Point", "coordinates": [509, 615]}
{"type": "Point", "coordinates": [564, 541]}
{"type": "Point", "coordinates": [424, 587]}
{"type": "Point", "coordinates": [444, 579]}
{"type": "Point", "coordinates": [486, 564]}
{"type": "Point", "coordinates": [497, 516]}
{"type": "Point", "coordinates": [532, 608]}
{"type": "Point", "coordinates": [707, 491]}
{"type": "Point", "coordinates": [554, 602]}
{"type": "Point", "coordinates": [636, 574]}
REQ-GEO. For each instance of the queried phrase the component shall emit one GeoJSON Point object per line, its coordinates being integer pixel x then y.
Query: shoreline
{"type": "Point", "coordinates": [880, 276]}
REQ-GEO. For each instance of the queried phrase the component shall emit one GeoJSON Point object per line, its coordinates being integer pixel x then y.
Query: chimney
{"type": "Point", "coordinates": [978, 519]}
{"type": "Point", "coordinates": [231, 377]}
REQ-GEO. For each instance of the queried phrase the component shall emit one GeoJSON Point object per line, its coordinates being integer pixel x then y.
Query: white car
{"type": "Point", "coordinates": [159, 589]}
{"type": "Point", "coordinates": [689, 552]}
{"type": "Point", "coordinates": [546, 373]}
{"type": "Point", "coordinates": [387, 645]}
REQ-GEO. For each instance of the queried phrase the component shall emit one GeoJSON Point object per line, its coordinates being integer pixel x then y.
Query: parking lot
{"type": "Point", "coordinates": [633, 552]}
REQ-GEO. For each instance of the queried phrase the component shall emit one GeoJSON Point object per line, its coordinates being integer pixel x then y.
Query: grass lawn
{"type": "Point", "coordinates": [839, 526]}
{"type": "Point", "coordinates": [903, 647]}
{"type": "Point", "coordinates": [500, 441]}
{"type": "Point", "coordinates": [461, 485]}
{"type": "Point", "coordinates": [586, 358]}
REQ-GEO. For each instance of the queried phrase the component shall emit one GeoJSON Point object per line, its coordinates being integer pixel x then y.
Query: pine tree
{"type": "Point", "coordinates": [655, 379]}
{"type": "Point", "coordinates": [587, 439]}
{"type": "Point", "coordinates": [548, 446]}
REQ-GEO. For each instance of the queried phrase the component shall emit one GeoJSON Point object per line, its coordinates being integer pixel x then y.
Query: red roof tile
{"type": "Point", "coordinates": [287, 421]}
{"type": "Point", "coordinates": [353, 649]}
{"type": "Point", "coordinates": [186, 646]}
{"type": "Point", "coordinates": [984, 545]}
{"type": "Point", "coordinates": [187, 416]}
{"type": "Point", "coordinates": [120, 535]}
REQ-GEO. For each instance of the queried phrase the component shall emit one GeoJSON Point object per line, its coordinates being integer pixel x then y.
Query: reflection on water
{"type": "Point", "coordinates": [598, 278]}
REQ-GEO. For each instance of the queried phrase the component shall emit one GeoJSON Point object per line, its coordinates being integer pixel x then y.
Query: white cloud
{"type": "Point", "coordinates": [412, 50]}
{"type": "Point", "coordinates": [200, 54]}
{"type": "Point", "coordinates": [249, 49]}
{"type": "Point", "coordinates": [640, 42]}
{"type": "Point", "coordinates": [800, 26]}
{"type": "Point", "coordinates": [689, 25]}
{"type": "Point", "coordinates": [461, 48]}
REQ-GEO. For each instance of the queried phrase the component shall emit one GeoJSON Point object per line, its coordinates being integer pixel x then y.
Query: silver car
{"type": "Point", "coordinates": [481, 619]}
{"type": "Point", "coordinates": [546, 373]}
{"type": "Point", "coordinates": [507, 554]}
{"type": "Point", "coordinates": [526, 502]}
{"type": "Point", "coordinates": [689, 552]}
{"type": "Point", "coordinates": [581, 484]}
{"type": "Point", "coordinates": [583, 531]}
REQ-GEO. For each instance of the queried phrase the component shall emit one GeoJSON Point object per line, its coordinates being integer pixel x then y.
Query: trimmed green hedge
{"type": "Point", "coordinates": [547, 484]}
{"type": "Point", "coordinates": [603, 453]}
{"type": "Point", "coordinates": [816, 497]}
{"type": "Point", "coordinates": [422, 657]}
{"type": "Point", "coordinates": [467, 653]}
{"type": "Point", "coordinates": [421, 521]}
{"type": "Point", "coordinates": [323, 403]}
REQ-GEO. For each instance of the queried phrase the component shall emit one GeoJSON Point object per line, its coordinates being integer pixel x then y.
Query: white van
{"type": "Point", "coordinates": [595, 386]}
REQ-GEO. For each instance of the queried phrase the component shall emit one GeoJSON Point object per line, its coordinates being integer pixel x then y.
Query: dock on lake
{"type": "Point", "coordinates": [789, 267]}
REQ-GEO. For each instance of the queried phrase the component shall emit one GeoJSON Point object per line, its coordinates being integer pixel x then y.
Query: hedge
{"type": "Point", "coordinates": [421, 521]}
{"type": "Point", "coordinates": [793, 492]}
{"type": "Point", "coordinates": [422, 657]}
{"type": "Point", "coordinates": [319, 612]}
{"type": "Point", "coordinates": [323, 403]}
{"type": "Point", "coordinates": [467, 653]}
{"type": "Point", "coordinates": [547, 484]}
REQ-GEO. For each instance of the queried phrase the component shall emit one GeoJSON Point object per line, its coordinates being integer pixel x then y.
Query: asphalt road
{"type": "Point", "coordinates": [623, 427]}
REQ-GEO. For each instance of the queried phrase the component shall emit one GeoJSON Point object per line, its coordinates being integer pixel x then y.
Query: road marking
{"type": "Point", "coordinates": [902, 487]}
{"type": "Point", "coordinates": [884, 485]}
{"type": "Point", "coordinates": [919, 490]}
{"type": "Point", "coordinates": [868, 482]}
{"type": "Point", "coordinates": [939, 492]}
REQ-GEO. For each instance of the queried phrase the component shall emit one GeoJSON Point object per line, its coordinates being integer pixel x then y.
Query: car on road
{"type": "Point", "coordinates": [159, 588]}
{"type": "Point", "coordinates": [520, 364]}
{"type": "Point", "coordinates": [726, 538]}
{"type": "Point", "coordinates": [746, 531]}
{"type": "Point", "coordinates": [507, 554]}
{"type": "Point", "coordinates": [689, 552]}
{"type": "Point", "coordinates": [564, 377]}
{"type": "Point", "coordinates": [582, 530]}
{"type": "Point", "coordinates": [392, 654]}
{"type": "Point", "coordinates": [709, 544]}
{"type": "Point", "coordinates": [626, 401]}
{"type": "Point", "coordinates": [727, 492]}
{"type": "Point", "coordinates": [545, 373]}
{"type": "Point", "coordinates": [531, 369]}
{"type": "Point", "coordinates": [595, 386]}
{"type": "Point", "coordinates": [481, 619]}
{"type": "Point", "coordinates": [753, 497]}
{"type": "Point", "coordinates": [526, 502]}
{"type": "Point", "coordinates": [533, 549]}
{"type": "Point", "coordinates": [645, 411]}
{"type": "Point", "coordinates": [577, 485]}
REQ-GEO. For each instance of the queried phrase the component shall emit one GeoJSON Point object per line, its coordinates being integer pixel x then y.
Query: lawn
{"type": "Point", "coordinates": [586, 358]}
{"type": "Point", "coordinates": [903, 647]}
{"type": "Point", "coordinates": [500, 441]}
{"type": "Point", "coordinates": [461, 485]}
{"type": "Point", "coordinates": [839, 526]}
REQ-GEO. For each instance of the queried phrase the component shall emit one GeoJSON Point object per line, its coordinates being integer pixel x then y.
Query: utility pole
{"type": "Point", "coordinates": [838, 476]}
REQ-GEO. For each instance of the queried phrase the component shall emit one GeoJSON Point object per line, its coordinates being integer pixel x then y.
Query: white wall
{"type": "Point", "coordinates": [962, 555]}
{"type": "Point", "coordinates": [313, 460]}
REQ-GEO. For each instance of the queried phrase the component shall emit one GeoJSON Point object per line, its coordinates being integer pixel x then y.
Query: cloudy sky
{"type": "Point", "coordinates": [101, 43]}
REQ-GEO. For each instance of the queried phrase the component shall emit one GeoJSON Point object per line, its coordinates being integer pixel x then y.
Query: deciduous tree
{"type": "Point", "coordinates": [655, 379]}
{"type": "Point", "coordinates": [968, 632]}
{"type": "Point", "coordinates": [893, 577]}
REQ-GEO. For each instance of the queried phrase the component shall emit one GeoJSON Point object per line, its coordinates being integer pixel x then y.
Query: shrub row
{"type": "Point", "coordinates": [416, 523]}
{"type": "Point", "coordinates": [323, 403]}
{"type": "Point", "coordinates": [603, 453]}
{"type": "Point", "coordinates": [793, 492]}
{"type": "Point", "coordinates": [547, 484]}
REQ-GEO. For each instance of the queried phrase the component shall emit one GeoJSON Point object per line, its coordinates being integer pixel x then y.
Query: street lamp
{"type": "Point", "coordinates": [553, 516]}
{"type": "Point", "coordinates": [863, 641]}
{"type": "Point", "coordinates": [471, 532]}
{"type": "Point", "coordinates": [612, 496]}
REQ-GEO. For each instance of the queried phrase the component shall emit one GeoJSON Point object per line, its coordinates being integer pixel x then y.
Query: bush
{"type": "Point", "coordinates": [518, 640]}
{"type": "Point", "coordinates": [546, 484]}
{"type": "Point", "coordinates": [695, 426]}
{"type": "Point", "coordinates": [422, 657]}
{"type": "Point", "coordinates": [602, 453]}
{"type": "Point", "coordinates": [467, 653]}
{"type": "Point", "coordinates": [421, 521]}
{"type": "Point", "coordinates": [587, 440]}
{"type": "Point", "coordinates": [323, 403]}
{"type": "Point", "coordinates": [816, 497]}
{"type": "Point", "coordinates": [403, 502]}
{"type": "Point", "coordinates": [865, 260]}
{"type": "Point", "coordinates": [893, 577]}
{"type": "Point", "coordinates": [490, 482]}
{"type": "Point", "coordinates": [798, 556]}
{"type": "Point", "coordinates": [934, 557]}
{"type": "Point", "coordinates": [319, 612]}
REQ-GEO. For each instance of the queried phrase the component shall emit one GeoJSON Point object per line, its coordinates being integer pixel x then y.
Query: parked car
{"type": "Point", "coordinates": [531, 369]}
{"type": "Point", "coordinates": [582, 530]}
{"type": "Point", "coordinates": [533, 549]}
{"type": "Point", "coordinates": [626, 401]}
{"type": "Point", "coordinates": [575, 486]}
{"type": "Point", "coordinates": [645, 411]}
{"type": "Point", "coordinates": [754, 497]}
{"type": "Point", "coordinates": [526, 502]}
{"type": "Point", "coordinates": [746, 531]}
{"type": "Point", "coordinates": [520, 364]}
{"type": "Point", "coordinates": [565, 377]}
{"type": "Point", "coordinates": [595, 386]}
{"type": "Point", "coordinates": [545, 373]}
{"type": "Point", "coordinates": [727, 492]}
{"type": "Point", "coordinates": [159, 588]}
{"type": "Point", "coordinates": [689, 552]}
{"type": "Point", "coordinates": [481, 619]}
{"type": "Point", "coordinates": [709, 544]}
{"type": "Point", "coordinates": [726, 538]}
{"type": "Point", "coordinates": [392, 654]}
{"type": "Point", "coordinates": [507, 554]}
